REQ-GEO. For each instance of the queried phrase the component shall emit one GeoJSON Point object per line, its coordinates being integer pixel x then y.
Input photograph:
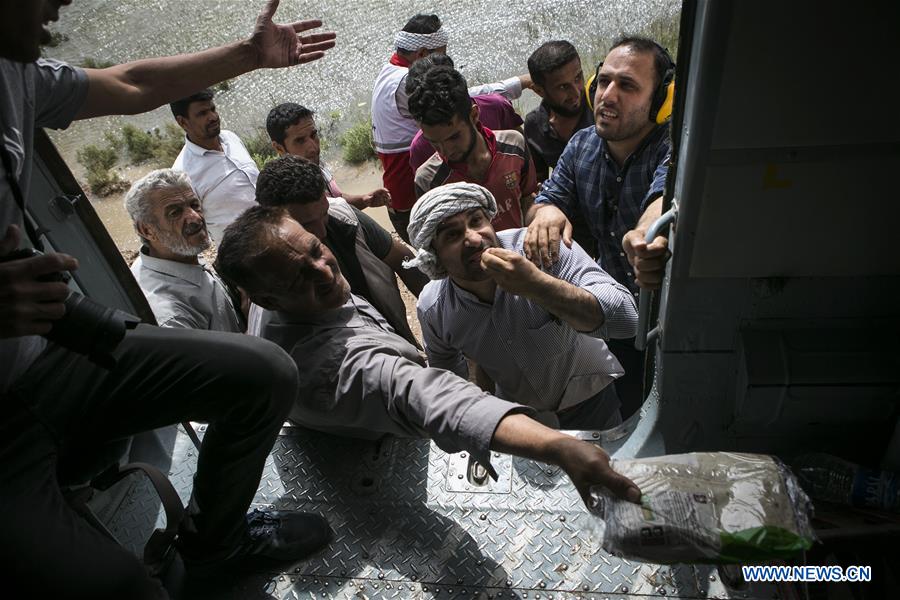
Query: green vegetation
{"type": "Point", "coordinates": [222, 86]}
{"type": "Point", "coordinates": [260, 147]}
{"type": "Point", "coordinates": [140, 144]}
{"type": "Point", "coordinates": [155, 147]}
{"type": "Point", "coordinates": [99, 162]}
{"type": "Point", "coordinates": [159, 148]}
{"type": "Point", "coordinates": [171, 141]}
{"type": "Point", "coordinates": [95, 63]}
{"type": "Point", "coordinates": [664, 30]}
{"type": "Point", "coordinates": [358, 144]}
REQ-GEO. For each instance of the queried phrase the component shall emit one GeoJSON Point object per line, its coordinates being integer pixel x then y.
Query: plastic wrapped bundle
{"type": "Point", "coordinates": [712, 507]}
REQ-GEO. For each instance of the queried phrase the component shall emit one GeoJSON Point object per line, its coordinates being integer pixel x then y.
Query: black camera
{"type": "Point", "coordinates": [87, 327]}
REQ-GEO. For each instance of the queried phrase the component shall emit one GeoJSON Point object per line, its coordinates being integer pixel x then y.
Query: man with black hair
{"type": "Point", "coordinates": [555, 70]}
{"type": "Point", "coordinates": [59, 406]}
{"type": "Point", "coordinates": [292, 130]}
{"type": "Point", "coordinates": [469, 151]}
{"type": "Point", "coordinates": [609, 175]}
{"type": "Point", "coordinates": [221, 169]}
{"type": "Point", "coordinates": [393, 128]}
{"type": "Point", "coordinates": [538, 334]}
{"type": "Point", "coordinates": [369, 256]}
{"type": "Point", "coordinates": [358, 378]}
{"type": "Point", "coordinates": [495, 111]}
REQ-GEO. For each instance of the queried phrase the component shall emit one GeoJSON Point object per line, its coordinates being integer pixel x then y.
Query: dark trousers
{"type": "Point", "coordinates": [600, 412]}
{"type": "Point", "coordinates": [400, 221]}
{"type": "Point", "coordinates": [629, 386]}
{"type": "Point", "coordinates": [64, 404]}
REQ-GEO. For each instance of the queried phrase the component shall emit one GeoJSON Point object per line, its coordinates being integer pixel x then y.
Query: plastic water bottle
{"type": "Point", "coordinates": [832, 479]}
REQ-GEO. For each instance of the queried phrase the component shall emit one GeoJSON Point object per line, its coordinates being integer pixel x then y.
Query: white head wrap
{"type": "Point", "coordinates": [416, 41]}
{"type": "Point", "coordinates": [430, 211]}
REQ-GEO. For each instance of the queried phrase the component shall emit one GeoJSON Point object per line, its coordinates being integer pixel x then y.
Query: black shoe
{"type": "Point", "coordinates": [284, 536]}
{"type": "Point", "coordinates": [274, 537]}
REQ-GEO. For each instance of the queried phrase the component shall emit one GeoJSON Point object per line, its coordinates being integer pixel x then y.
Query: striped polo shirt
{"type": "Point", "coordinates": [533, 357]}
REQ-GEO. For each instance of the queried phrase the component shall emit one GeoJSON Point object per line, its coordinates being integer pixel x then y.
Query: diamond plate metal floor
{"type": "Point", "coordinates": [413, 522]}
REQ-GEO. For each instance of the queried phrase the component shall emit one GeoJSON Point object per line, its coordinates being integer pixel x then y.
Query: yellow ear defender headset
{"type": "Point", "coordinates": [663, 97]}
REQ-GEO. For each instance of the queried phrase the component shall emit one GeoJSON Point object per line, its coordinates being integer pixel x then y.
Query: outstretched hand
{"type": "Point", "coordinates": [587, 465]}
{"type": "Point", "coordinates": [282, 46]}
{"type": "Point", "coordinates": [380, 197]}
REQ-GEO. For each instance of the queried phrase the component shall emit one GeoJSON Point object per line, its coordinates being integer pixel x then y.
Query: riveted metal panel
{"type": "Point", "coordinates": [407, 527]}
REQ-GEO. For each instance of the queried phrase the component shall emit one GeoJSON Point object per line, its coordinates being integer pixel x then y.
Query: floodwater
{"type": "Point", "coordinates": [489, 40]}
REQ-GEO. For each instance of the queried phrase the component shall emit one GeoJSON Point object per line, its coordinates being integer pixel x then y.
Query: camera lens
{"type": "Point", "coordinates": [90, 328]}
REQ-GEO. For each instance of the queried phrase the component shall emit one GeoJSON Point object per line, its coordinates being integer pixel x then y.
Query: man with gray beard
{"type": "Point", "coordinates": [182, 291]}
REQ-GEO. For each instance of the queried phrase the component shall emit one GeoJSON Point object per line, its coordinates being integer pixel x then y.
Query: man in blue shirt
{"type": "Point", "coordinates": [609, 174]}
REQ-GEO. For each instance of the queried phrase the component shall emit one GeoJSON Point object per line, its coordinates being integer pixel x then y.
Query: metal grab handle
{"type": "Point", "coordinates": [643, 336]}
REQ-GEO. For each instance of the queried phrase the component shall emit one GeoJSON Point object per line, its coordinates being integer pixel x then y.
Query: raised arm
{"type": "Point", "coordinates": [510, 89]}
{"type": "Point", "coordinates": [517, 275]}
{"type": "Point", "coordinates": [143, 85]}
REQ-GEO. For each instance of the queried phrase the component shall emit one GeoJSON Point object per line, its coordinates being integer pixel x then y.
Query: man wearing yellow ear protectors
{"type": "Point", "coordinates": [610, 173]}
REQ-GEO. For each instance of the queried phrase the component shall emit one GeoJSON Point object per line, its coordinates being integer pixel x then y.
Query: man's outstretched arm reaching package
{"type": "Point", "coordinates": [456, 414]}
{"type": "Point", "coordinates": [586, 464]}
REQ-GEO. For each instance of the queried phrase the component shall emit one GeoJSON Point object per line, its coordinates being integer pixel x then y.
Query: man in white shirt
{"type": "Point", "coordinates": [222, 172]}
{"type": "Point", "coordinates": [181, 291]}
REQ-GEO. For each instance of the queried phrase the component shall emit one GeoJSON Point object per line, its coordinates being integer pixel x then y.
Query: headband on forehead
{"type": "Point", "coordinates": [430, 211]}
{"type": "Point", "coordinates": [416, 41]}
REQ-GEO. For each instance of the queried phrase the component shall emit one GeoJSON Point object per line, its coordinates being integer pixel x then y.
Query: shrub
{"type": "Point", "coordinates": [98, 163]}
{"type": "Point", "coordinates": [260, 147]}
{"type": "Point", "coordinates": [358, 144]}
{"type": "Point", "coordinates": [114, 140]}
{"type": "Point", "coordinates": [159, 148]}
{"type": "Point", "coordinates": [141, 145]}
{"type": "Point", "coordinates": [171, 141]}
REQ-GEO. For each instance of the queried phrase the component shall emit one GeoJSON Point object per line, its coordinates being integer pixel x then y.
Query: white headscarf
{"type": "Point", "coordinates": [416, 41]}
{"type": "Point", "coordinates": [431, 210]}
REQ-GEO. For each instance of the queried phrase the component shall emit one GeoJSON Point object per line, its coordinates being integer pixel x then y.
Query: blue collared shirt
{"type": "Point", "coordinates": [610, 200]}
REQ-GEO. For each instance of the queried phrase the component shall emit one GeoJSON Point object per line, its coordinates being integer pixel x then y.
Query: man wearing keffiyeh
{"type": "Point", "coordinates": [538, 332]}
{"type": "Point", "coordinates": [392, 130]}
{"type": "Point", "coordinates": [393, 127]}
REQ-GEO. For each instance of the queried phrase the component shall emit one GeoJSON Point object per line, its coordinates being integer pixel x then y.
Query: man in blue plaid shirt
{"type": "Point", "coordinates": [610, 174]}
